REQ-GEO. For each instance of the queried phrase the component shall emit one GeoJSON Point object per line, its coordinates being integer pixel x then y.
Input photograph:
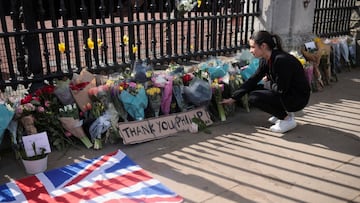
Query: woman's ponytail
{"type": "Point", "coordinates": [272, 40]}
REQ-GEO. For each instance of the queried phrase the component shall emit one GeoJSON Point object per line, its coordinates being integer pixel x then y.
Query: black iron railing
{"type": "Point", "coordinates": [31, 30]}
{"type": "Point", "coordinates": [333, 17]}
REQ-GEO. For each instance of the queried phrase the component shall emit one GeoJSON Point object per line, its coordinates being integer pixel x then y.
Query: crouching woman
{"type": "Point", "coordinates": [286, 89]}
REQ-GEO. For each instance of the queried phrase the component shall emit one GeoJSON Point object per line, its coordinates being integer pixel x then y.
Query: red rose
{"type": "Point", "coordinates": [49, 89]}
{"type": "Point", "coordinates": [26, 99]}
{"type": "Point", "coordinates": [186, 79]}
{"type": "Point", "coordinates": [38, 92]}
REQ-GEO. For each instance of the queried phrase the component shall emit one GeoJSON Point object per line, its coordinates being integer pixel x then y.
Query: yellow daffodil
{"type": "Point", "coordinates": [61, 47]}
{"type": "Point", "coordinates": [199, 3]}
{"type": "Point", "coordinates": [90, 43]}
{"type": "Point", "coordinates": [126, 39]}
{"type": "Point", "coordinates": [99, 42]}
{"type": "Point", "coordinates": [134, 49]}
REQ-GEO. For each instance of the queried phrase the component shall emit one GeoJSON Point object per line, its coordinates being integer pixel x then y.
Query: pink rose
{"type": "Point", "coordinates": [41, 109]}
{"type": "Point", "coordinates": [47, 103]}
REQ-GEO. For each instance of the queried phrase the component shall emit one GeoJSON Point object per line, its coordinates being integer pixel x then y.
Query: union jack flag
{"type": "Point", "coordinates": [110, 178]}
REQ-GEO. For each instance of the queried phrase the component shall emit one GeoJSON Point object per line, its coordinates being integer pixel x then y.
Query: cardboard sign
{"type": "Point", "coordinates": [155, 128]}
{"type": "Point", "coordinates": [41, 141]}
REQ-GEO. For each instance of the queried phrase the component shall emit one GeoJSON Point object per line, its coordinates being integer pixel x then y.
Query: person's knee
{"type": "Point", "coordinates": [253, 100]}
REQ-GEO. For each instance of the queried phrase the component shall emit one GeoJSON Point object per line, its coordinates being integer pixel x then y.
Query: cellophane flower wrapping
{"type": "Point", "coordinates": [69, 118]}
{"type": "Point", "coordinates": [118, 104]}
{"type": "Point", "coordinates": [178, 91]}
{"type": "Point", "coordinates": [198, 92]}
{"type": "Point", "coordinates": [164, 81]}
{"type": "Point", "coordinates": [235, 83]}
{"type": "Point", "coordinates": [80, 85]}
{"type": "Point", "coordinates": [217, 90]}
{"type": "Point", "coordinates": [184, 6]}
{"type": "Point", "coordinates": [135, 103]}
{"type": "Point", "coordinates": [142, 72]}
{"type": "Point", "coordinates": [98, 127]}
{"type": "Point", "coordinates": [215, 67]}
{"type": "Point", "coordinates": [154, 96]}
{"type": "Point", "coordinates": [7, 113]}
{"type": "Point", "coordinates": [63, 93]}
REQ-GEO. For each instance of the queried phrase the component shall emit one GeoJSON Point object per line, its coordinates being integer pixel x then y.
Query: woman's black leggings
{"type": "Point", "coordinates": [268, 102]}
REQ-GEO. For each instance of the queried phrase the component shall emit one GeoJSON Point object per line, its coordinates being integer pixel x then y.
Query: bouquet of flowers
{"type": "Point", "coordinates": [184, 6]}
{"type": "Point", "coordinates": [235, 81]}
{"type": "Point", "coordinates": [62, 91]}
{"type": "Point", "coordinates": [165, 82]}
{"type": "Point", "coordinates": [99, 113]}
{"type": "Point", "coordinates": [7, 112]}
{"type": "Point", "coordinates": [38, 112]}
{"type": "Point", "coordinates": [198, 92]}
{"type": "Point", "coordinates": [79, 87]}
{"type": "Point", "coordinates": [135, 100]}
{"type": "Point", "coordinates": [115, 91]}
{"type": "Point", "coordinates": [217, 90]}
{"type": "Point", "coordinates": [69, 118]}
{"type": "Point", "coordinates": [178, 91]}
{"type": "Point", "coordinates": [215, 67]}
{"type": "Point", "coordinates": [154, 95]}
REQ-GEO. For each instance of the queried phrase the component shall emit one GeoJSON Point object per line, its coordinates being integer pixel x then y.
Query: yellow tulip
{"type": "Point", "coordinates": [126, 40]}
{"type": "Point", "coordinates": [90, 43]}
{"type": "Point", "coordinates": [61, 47]}
{"type": "Point", "coordinates": [134, 49]}
{"type": "Point", "coordinates": [99, 42]}
{"type": "Point", "coordinates": [199, 3]}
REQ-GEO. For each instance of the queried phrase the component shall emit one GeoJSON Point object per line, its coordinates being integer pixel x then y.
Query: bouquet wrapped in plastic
{"type": "Point", "coordinates": [69, 118]}
{"type": "Point", "coordinates": [115, 91]}
{"type": "Point", "coordinates": [198, 92]}
{"type": "Point", "coordinates": [135, 100]}
{"type": "Point", "coordinates": [235, 83]}
{"type": "Point", "coordinates": [7, 112]}
{"type": "Point", "coordinates": [184, 6]}
{"type": "Point", "coordinates": [142, 72]}
{"type": "Point", "coordinates": [217, 90]}
{"type": "Point", "coordinates": [63, 93]}
{"type": "Point", "coordinates": [178, 92]}
{"type": "Point", "coordinates": [154, 95]}
{"type": "Point", "coordinates": [215, 67]}
{"type": "Point", "coordinates": [80, 86]}
{"type": "Point", "coordinates": [98, 127]}
{"type": "Point", "coordinates": [165, 82]}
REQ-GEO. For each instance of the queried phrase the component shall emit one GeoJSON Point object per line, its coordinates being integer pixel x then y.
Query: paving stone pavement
{"type": "Point", "coordinates": [242, 161]}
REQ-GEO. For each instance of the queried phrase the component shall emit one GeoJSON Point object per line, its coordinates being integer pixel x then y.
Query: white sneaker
{"type": "Point", "coordinates": [282, 126]}
{"type": "Point", "coordinates": [273, 119]}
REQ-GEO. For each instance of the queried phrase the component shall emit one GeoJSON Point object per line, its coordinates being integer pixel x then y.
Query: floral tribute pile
{"type": "Point", "coordinates": [88, 108]}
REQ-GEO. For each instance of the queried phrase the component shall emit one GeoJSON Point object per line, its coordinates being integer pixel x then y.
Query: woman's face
{"type": "Point", "coordinates": [256, 50]}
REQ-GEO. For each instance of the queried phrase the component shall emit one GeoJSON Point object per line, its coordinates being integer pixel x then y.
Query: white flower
{"type": "Point", "coordinates": [186, 5]}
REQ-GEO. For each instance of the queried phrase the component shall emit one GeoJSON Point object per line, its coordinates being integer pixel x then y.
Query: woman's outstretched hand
{"type": "Point", "coordinates": [228, 101]}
